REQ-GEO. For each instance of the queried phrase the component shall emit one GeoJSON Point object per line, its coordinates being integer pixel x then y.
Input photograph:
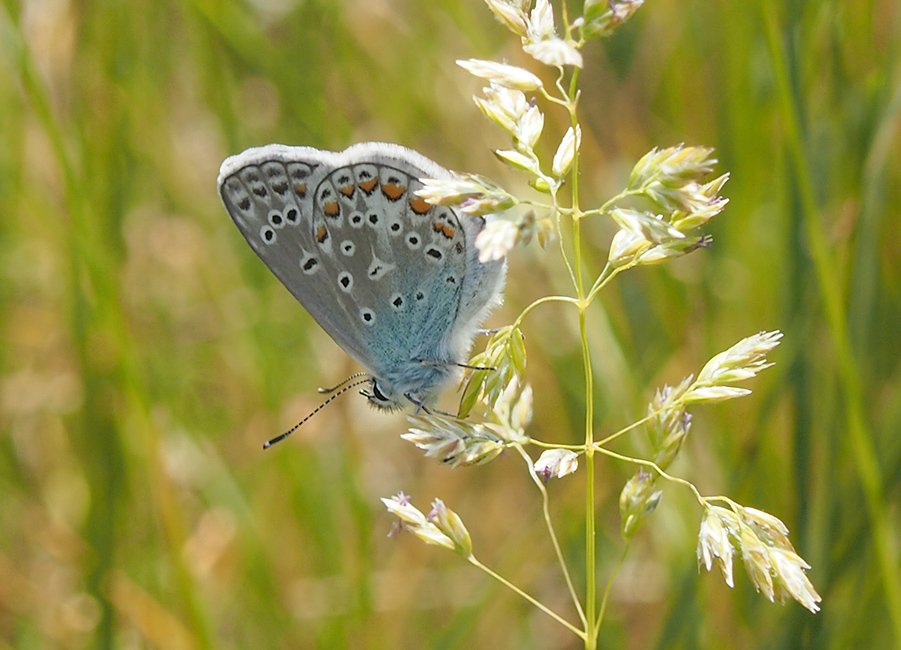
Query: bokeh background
{"type": "Point", "coordinates": [146, 352]}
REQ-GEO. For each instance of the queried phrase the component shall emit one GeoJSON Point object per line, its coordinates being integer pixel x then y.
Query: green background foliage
{"type": "Point", "coordinates": [146, 352]}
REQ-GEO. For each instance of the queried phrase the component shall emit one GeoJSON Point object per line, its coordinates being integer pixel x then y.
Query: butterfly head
{"type": "Point", "coordinates": [398, 393]}
{"type": "Point", "coordinates": [381, 394]}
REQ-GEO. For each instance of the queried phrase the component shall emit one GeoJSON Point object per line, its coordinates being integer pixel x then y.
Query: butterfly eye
{"type": "Point", "coordinates": [376, 393]}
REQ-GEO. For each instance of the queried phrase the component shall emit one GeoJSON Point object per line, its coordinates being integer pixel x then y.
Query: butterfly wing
{"type": "Point", "coordinates": [268, 192]}
{"type": "Point", "coordinates": [381, 270]}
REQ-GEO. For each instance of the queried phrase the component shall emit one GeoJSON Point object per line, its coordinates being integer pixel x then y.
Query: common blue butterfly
{"type": "Point", "coordinates": [395, 281]}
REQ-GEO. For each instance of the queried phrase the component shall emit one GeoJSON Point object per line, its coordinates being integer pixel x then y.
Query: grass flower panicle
{"type": "Point", "coordinates": [740, 362]}
{"type": "Point", "coordinates": [498, 237]}
{"type": "Point", "coordinates": [639, 498]}
{"type": "Point", "coordinates": [603, 17]}
{"type": "Point", "coordinates": [508, 76]}
{"type": "Point", "coordinates": [528, 129]}
{"type": "Point", "coordinates": [761, 540]}
{"type": "Point", "coordinates": [511, 14]}
{"type": "Point", "coordinates": [455, 442]}
{"type": "Point", "coordinates": [668, 424]}
{"type": "Point", "coordinates": [555, 52]}
{"type": "Point", "coordinates": [566, 151]}
{"type": "Point", "coordinates": [667, 200]}
{"type": "Point", "coordinates": [502, 361]}
{"type": "Point", "coordinates": [449, 523]}
{"type": "Point", "coordinates": [512, 410]}
{"type": "Point", "coordinates": [556, 463]}
{"type": "Point", "coordinates": [503, 106]}
{"type": "Point", "coordinates": [473, 194]}
{"type": "Point", "coordinates": [718, 527]}
{"type": "Point", "coordinates": [412, 519]}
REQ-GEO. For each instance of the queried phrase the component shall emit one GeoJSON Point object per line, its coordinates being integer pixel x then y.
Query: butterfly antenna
{"type": "Point", "coordinates": [427, 362]}
{"type": "Point", "coordinates": [316, 410]}
{"type": "Point", "coordinates": [326, 391]}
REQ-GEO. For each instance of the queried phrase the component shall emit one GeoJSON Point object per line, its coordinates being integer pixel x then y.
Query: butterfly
{"type": "Point", "coordinates": [394, 280]}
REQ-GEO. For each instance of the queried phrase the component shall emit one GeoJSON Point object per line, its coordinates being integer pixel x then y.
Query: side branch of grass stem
{"type": "Point", "coordinates": [553, 533]}
{"type": "Point", "coordinates": [501, 579]}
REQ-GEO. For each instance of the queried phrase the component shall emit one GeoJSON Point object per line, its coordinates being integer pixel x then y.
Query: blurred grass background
{"type": "Point", "coordinates": [146, 352]}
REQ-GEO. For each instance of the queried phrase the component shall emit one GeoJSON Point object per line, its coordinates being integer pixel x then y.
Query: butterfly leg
{"type": "Point", "coordinates": [420, 407]}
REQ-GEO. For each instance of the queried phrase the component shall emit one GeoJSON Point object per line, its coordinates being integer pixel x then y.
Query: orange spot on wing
{"type": "Point", "coordinates": [331, 209]}
{"type": "Point", "coordinates": [321, 234]}
{"type": "Point", "coordinates": [368, 186]}
{"type": "Point", "coordinates": [347, 190]}
{"type": "Point", "coordinates": [300, 189]}
{"type": "Point", "coordinates": [420, 205]}
{"type": "Point", "coordinates": [448, 231]}
{"type": "Point", "coordinates": [393, 191]}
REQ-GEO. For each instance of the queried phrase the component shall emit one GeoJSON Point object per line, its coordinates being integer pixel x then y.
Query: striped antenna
{"type": "Point", "coordinates": [346, 387]}
{"type": "Point", "coordinates": [326, 391]}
